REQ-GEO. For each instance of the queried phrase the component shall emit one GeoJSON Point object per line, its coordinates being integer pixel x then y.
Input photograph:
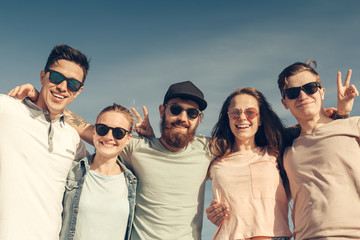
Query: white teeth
{"type": "Point", "coordinates": [108, 145]}
{"type": "Point", "coordinates": [58, 96]}
{"type": "Point", "coordinates": [243, 126]}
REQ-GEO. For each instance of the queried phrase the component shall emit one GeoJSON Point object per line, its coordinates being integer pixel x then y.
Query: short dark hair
{"type": "Point", "coordinates": [294, 69]}
{"type": "Point", "coordinates": [68, 53]}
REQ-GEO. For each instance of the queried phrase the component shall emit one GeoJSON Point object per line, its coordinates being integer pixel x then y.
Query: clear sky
{"type": "Point", "coordinates": [138, 48]}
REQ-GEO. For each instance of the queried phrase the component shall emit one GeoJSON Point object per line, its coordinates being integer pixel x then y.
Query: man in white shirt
{"type": "Point", "coordinates": [37, 148]}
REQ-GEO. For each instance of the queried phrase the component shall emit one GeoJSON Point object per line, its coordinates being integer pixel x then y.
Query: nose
{"type": "Point", "coordinates": [109, 134]}
{"type": "Point", "coordinates": [62, 86]}
{"type": "Point", "coordinates": [183, 116]}
{"type": "Point", "coordinates": [242, 116]}
{"type": "Point", "coordinates": [302, 94]}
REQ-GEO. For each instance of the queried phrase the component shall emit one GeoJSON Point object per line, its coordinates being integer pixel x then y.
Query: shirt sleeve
{"type": "Point", "coordinates": [81, 151]}
{"type": "Point", "coordinates": [2, 98]}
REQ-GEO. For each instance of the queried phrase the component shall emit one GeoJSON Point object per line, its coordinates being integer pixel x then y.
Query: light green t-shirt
{"type": "Point", "coordinates": [103, 208]}
{"type": "Point", "coordinates": [170, 193]}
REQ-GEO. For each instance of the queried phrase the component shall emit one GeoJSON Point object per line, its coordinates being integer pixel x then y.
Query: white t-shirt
{"type": "Point", "coordinates": [35, 158]}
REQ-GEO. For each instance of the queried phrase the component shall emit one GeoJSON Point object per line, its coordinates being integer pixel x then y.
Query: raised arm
{"type": "Point", "coordinates": [345, 94]}
{"type": "Point", "coordinates": [84, 128]}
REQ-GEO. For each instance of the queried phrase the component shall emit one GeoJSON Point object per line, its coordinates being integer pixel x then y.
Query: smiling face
{"type": "Point", "coordinates": [107, 146]}
{"type": "Point", "coordinates": [304, 107]}
{"type": "Point", "coordinates": [244, 128]}
{"type": "Point", "coordinates": [55, 97]}
{"type": "Point", "coordinates": [178, 131]}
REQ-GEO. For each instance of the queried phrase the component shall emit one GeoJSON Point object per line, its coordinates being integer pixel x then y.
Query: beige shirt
{"type": "Point", "coordinates": [324, 175]}
{"type": "Point", "coordinates": [251, 186]}
{"type": "Point", "coordinates": [171, 186]}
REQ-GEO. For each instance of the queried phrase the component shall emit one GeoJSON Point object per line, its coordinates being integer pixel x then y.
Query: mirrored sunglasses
{"type": "Point", "coordinates": [57, 78]}
{"type": "Point", "coordinates": [176, 110]}
{"type": "Point", "coordinates": [294, 92]}
{"type": "Point", "coordinates": [118, 132]}
{"type": "Point", "coordinates": [250, 113]}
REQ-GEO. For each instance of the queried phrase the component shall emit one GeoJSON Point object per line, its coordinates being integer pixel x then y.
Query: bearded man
{"type": "Point", "coordinates": [171, 170]}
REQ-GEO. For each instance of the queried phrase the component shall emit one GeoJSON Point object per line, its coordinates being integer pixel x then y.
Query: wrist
{"type": "Point", "coordinates": [342, 116]}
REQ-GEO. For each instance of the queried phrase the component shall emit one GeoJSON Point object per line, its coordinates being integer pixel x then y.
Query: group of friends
{"type": "Point", "coordinates": [144, 187]}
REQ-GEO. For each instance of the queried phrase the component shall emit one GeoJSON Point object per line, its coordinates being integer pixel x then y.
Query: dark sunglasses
{"type": "Point", "coordinates": [294, 92]}
{"type": "Point", "coordinates": [57, 78]}
{"type": "Point", "coordinates": [176, 110]}
{"type": "Point", "coordinates": [250, 113]}
{"type": "Point", "coordinates": [118, 132]}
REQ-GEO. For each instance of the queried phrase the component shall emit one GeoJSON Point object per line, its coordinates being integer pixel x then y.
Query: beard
{"type": "Point", "coordinates": [173, 138]}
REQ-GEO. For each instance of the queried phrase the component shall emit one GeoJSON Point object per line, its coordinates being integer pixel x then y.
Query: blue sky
{"type": "Point", "coordinates": [138, 48]}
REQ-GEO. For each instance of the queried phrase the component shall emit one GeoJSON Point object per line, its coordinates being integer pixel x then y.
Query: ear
{"type": "Point", "coordinates": [283, 101]}
{"type": "Point", "coordinates": [78, 92]}
{"type": "Point", "coordinates": [201, 117]}
{"type": "Point", "coordinates": [161, 111]}
{"type": "Point", "coordinates": [322, 93]}
{"type": "Point", "coordinates": [128, 138]}
{"type": "Point", "coordinates": [42, 77]}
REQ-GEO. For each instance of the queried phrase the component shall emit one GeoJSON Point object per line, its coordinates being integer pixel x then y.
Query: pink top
{"type": "Point", "coordinates": [251, 186]}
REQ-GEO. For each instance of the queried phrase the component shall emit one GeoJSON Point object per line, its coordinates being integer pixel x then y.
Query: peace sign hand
{"type": "Point", "coordinates": [345, 94]}
{"type": "Point", "coordinates": [143, 126]}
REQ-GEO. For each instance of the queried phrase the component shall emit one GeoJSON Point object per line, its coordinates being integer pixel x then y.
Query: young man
{"type": "Point", "coordinates": [37, 148]}
{"type": "Point", "coordinates": [323, 164]}
{"type": "Point", "coordinates": [171, 170]}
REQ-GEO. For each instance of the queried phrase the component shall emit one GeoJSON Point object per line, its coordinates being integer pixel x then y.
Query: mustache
{"type": "Point", "coordinates": [176, 123]}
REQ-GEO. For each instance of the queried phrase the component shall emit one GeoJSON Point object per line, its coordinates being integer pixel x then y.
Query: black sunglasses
{"type": "Point", "coordinates": [176, 110]}
{"type": "Point", "coordinates": [118, 132]}
{"type": "Point", "coordinates": [57, 78]}
{"type": "Point", "coordinates": [294, 92]}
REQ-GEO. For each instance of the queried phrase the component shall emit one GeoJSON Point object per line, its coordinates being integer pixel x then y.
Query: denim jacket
{"type": "Point", "coordinates": [73, 188]}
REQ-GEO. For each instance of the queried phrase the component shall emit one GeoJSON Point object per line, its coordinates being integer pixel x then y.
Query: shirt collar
{"type": "Point", "coordinates": [35, 111]}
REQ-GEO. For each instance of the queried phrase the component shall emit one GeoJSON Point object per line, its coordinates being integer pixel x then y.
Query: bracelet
{"type": "Point", "coordinates": [342, 116]}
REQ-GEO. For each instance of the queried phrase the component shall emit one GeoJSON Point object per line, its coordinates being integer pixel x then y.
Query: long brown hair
{"type": "Point", "coordinates": [269, 133]}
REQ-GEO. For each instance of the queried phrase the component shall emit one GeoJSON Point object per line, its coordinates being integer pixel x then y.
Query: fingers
{"type": "Point", "coordinates": [17, 92]}
{"type": "Point", "coordinates": [217, 212]}
{"type": "Point", "coordinates": [331, 112]}
{"type": "Point", "coordinates": [137, 115]}
{"type": "Point", "coordinates": [145, 111]}
{"type": "Point", "coordinates": [339, 82]}
{"type": "Point", "coordinates": [13, 91]}
{"type": "Point", "coordinates": [351, 92]}
{"type": "Point", "coordinates": [347, 79]}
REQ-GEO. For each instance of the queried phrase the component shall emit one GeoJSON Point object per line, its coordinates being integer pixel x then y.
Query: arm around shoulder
{"type": "Point", "coordinates": [83, 128]}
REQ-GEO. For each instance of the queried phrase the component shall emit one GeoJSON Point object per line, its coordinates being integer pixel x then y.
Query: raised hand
{"type": "Point", "coordinates": [345, 94]}
{"type": "Point", "coordinates": [26, 90]}
{"type": "Point", "coordinates": [143, 126]}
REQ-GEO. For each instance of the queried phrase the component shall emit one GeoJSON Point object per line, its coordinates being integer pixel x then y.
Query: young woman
{"type": "Point", "coordinates": [246, 142]}
{"type": "Point", "coordinates": [99, 198]}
